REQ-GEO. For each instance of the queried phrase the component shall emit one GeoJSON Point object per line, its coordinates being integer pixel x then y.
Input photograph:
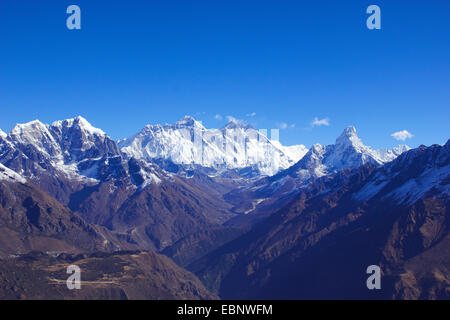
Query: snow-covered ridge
{"type": "Point", "coordinates": [81, 123]}
{"type": "Point", "coordinates": [349, 142]}
{"type": "Point", "coordinates": [2, 134]}
{"type": "Point", "coordinates": [347, 152]}
{"type": "Point", "coordinates": [412, 190]}
{"type": "Point", "coordinates": [77, 149]}
{"type": "Point", "coordinates": [235, 146]}
{"type": "Point", "coordinates": [72, 149]}
{"type": "Point", "coordinates": [7, 174]}
{"type": "Point", "coordinates": [65, 144]}
{"type": "Point", "coordinates": [52, 140]}
{"type": "Point", "coordinates": [37, 134]}
{"type": "Point", "coordinates": [295, 152]}
{"type": "Point", "coordinates": [411, 176]}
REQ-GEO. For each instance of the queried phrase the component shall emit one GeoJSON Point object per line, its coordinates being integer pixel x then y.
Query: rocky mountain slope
{"type": "Point", "coordinates": [154, 217]}
{"type": "Point", "coordinates": [319, 246]}
{"type": "Point", "coordinates": [117, 276]}
{"type": "Point", "coordinates": [31, 219]}
{"type": "Point", "coordinates": [33, 222]}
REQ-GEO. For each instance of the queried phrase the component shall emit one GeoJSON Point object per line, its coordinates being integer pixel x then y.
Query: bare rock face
{"type": "Point", "coordinates": [118, 276]}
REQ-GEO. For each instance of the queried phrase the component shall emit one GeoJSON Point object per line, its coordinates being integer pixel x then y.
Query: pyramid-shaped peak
{"type": "Point", "coordinates": [350, 131]}
{"type": "Point", "coordinates": [349, 137]}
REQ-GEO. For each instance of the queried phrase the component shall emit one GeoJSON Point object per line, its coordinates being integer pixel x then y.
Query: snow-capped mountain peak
{"type": "Point", "coordinates": [79, 123]}
{"type": "Point", "coordinates": [28, 128]}
{"type": "Point", "coordinates": [2, 134]}
{"type": "Point", "coordinates": [349, 143]}
{"type": "Point", "coordinates": [387, 155]}
{"type": "Point", "coordinates": [348, 152]}
{"type": "Point", "coordinates": [71, 133]}
{"type": "Point", "coordinates": [188, 122]}
{"type": "Point", "coordinates": [348, 132]}
{"type": "Point", "coordinates": [188, 142]}
{"type": "Point", "coordinates": [73, 147]}
{"type": "Point", "coordinates": [349, 137]}
{"type": "Point", "coordinates": [37, 134]}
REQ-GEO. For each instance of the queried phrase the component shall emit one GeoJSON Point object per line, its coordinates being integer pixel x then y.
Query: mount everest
{"type": "Point", "coordinates": [235, 146]}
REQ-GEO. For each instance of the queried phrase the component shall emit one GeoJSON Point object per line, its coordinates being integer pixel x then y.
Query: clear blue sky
{"type": "Point", "coordinates": [145, 62]}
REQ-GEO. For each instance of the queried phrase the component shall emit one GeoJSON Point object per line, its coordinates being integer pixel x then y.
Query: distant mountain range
{"type": "Point", "coordinates": [235, 146]}
{"type": "Point", "coordinates": [250, 217]}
